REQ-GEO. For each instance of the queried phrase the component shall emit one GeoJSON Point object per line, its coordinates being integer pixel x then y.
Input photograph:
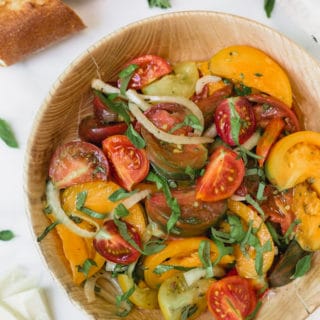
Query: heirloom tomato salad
{"type": "Point", "coordinates": [192, 187]}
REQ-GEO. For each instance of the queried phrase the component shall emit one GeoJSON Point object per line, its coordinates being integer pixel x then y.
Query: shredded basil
{"type": "Point", "coordinates": [204, 253]}
{"type": "Point", "coordinates": [121, 194]}
{"type": "Point", "coordinates": [162, 268]}
{"type": "Point", "coordinates": [80, 201]}
{"type": "Point", "coordinates": [190, 120]}
{"type": "Point", "coordinates": [242, 90]}
{"type": "Point", "coordinates": [121, 211]}
{"type": "Point", "coordinates": [7, 135]}
{"type": "Point", "coordinates": [47, 230]}
{"type": "Point", "coordinates": [86, 266]}
{"type": "Point", "coordinates": [302, 266]}
{"type": "Point", "coordinates": [256, 205]}
{"type": "Point", "coordinates": [125, 76]}
{"type": "Point", "coordinates": [124, 306]}
{"type": "Point", "coordinates": [188, 311]}
{"type": "Point", "coordinates": [6, 235]}
{"type": "Point", "coordinates": [289, 233]}
{"type": "Point", "coordinates": [135, 137]}
{"type": "Point", "coordinates": [254, 313]}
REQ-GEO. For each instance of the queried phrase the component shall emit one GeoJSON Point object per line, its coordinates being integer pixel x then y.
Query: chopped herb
{"type": "Point", "coordinates": [205, 257]}
{"type": "Point", "coordinates": [80, 201]}
{"type": "Point", "coordinates": [190, 120]}
{"type": "Point", "coordinates": [163, 4]}
{"type": "Point", "coordinates": [124, 306]}
{"type": "Point", "coordinates": [87, 265]}
{"type": "Point", "coordinates": [162, 268]}
{"type": "Point", "coordinates": [257, 74]}
{"type": "Point", "coordinates": [194, 173]}
{"type": "Point", "coordinates": [260, 193]}
{"type": "Point", "coordinates": [260, 250]}
{"type": "Point", "coordinates": [256, 205]}
{"type": "Point", "coordinates": [268, 7]}
{"type": "Point", "coordinates": [47, 230]}
{"type": "Point", "coordinates": [188, 311]}
{"type": "Point", "coordinates": [254, 313]}
{"type": "Point", "coordinates": [221, 236]}
{"type": "Point", "coordinates": [121, 194]}
{"type": "Point", "coordinates": [119, 268]}
{"type": "Point", "coordinates": [302, 266]}
{"type": "Point", "coordinates": [275, 236]}
{"type": "Point", "coordinates": [289, 233]}
{"type": "Point", "coordinates": [118, 106]}
{"type": "Point", "coordinates": [121, 211]}
{"type": "Point", "coordinates": [235, 121]}
{"type": "Point", "coordinates": [7, 135]}
{"type": "Point", "coordinates": [242, 90]}
{"type": "Point", "coordinates": [222, 251]}
{"type": "Point", "coordinates": [135, 137]}
{"type": "Point", "coordinates": [75, 219]}
{"type": "Point", "coordinates": [6, 235]}
{"type": "Point", "coordinates": [153, 246]}
{"type": "Point", "coordinates": [47, 210]}
{"type": "Point", "coordinates": [125, 76]}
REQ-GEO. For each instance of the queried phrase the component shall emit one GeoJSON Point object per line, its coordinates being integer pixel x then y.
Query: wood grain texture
{"type": "Point", "coordinates": [176, 36]}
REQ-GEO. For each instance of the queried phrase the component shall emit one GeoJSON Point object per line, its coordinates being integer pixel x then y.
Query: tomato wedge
{"type": "Point", "coordinates": [129, 165]}
{"type": "Point", "coordinates": [91, 130]}
{"type": "Point", "coordinates": [222, 177]}
{"type": "Point", "coordinates": [223, 119]}
{"type": "Point", "coordinates": [150, 68]}
{"type": "Point", "coordinates": [78, 162]}
{"type": "Point", "coordinates": [231, 298]}
{"type": "Point", "coordinates": [110, 244]}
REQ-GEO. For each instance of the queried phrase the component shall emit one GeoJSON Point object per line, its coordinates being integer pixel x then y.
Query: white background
{"type": "Point", "coordinates": [24, 86]}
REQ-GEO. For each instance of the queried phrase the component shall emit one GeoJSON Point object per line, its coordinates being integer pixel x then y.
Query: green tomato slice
{"type": "Point", "coordinates": [181, 83]}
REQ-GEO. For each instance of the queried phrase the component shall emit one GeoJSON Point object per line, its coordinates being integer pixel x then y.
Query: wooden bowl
{"type": "Point", "coordinates": [176, 36]}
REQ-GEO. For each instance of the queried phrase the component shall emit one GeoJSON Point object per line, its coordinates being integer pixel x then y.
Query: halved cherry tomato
{"type": "Point", "coordinates": [222, 177]}
{"type": "Point", "coordinates": [78, 162]}
{"type": "Point", "coordinates": [269, 137]}
{"type": "Point", "coordinates": [231, 298]}
{"type": "Point", "coordinates": [223, 119]}
{"type": "Point", "coordinates": [110, 244]}
{"type": "Point", "coordinates": [267, 108]}
{"type": "Point", "coordinates": [91, 130]}
{"type": "Point", "coordinates": [130, 165]}
{"type": "Point", "coordinates": [150, 68]}
{"type": "Point", "coordinates": [102, 112]}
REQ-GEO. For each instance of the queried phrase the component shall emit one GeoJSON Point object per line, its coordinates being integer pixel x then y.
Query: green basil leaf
{"type": "Point", "coordinates": [81, 199]}
{"type": "Point", "coordinates": [87, 265]}
{"type": "Point", "coordinates": [6, 235]}
{"type": "Point", "coordinates": [121, 211]}
{"type": "Point", "coordinates": [205, 257]}
{"type": "Point", "coordinates": [268, 7]}
{"type": "Point", "coordinates": [7, 135]}
{"type": "Point", "coordinates": [190, 120]}
{"type": "Point", "coordinates": [289, 233]}
{"type": "Point", "coordinates": [254, 313]}
{"type": "Point", "coordinates": [124, 306]}
{"type": "Point", "coordinates": [135, 137]}
{"type": "Point", "coordinates": [153, 246]}
{"type": "Point", "coordinates": [256, 205]}
{"type": "Point", "coordinates": [163, 4]}
{"type": "Point", "coordinates": [47, 230]}
{"type": "Point", "coordinates": [235, 121]}
{"type": "Point", "coordinates": [222, 251]}
{"type": "Point", "coordinates": [302, 266]}
{"type": "Point", "coordinates": [121, 194]}
{"type": "Point", "coordinates": [125, 76]}
{"type": "Point", "coordinates": [162, 268]}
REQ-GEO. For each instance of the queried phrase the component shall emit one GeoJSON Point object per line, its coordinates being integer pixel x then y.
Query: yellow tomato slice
{"type": "Point", "coordinates": [183, 253]}
{"type": "Point", "coordinates": [294, 159]}
{"type": "Point", "coordinates": [245, 264]}
{"type": "Point", "coordinates": [253, 68]}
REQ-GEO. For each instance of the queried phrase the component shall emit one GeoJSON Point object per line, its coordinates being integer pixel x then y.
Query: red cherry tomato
{"type": "Point", "coordinates": [77, 162]}
{"type": "Point", "coordinates": [102, 112]}
{"type": "Point", "coordinates": [223, 119]}
{"type": "Point", "coordinates": [110, 244]}
{"type": "Point", "coordinates": [150, 68]}
{"type": "Point", "coordinates": [130, 165]}
{"type": "Point", "coordinates": [91, 130]}
{"type": "Point", "coordinates": [267, 108]}
{"type": "Point", "coordinates": [222, 177]}
{"type": "Point", "coordinates": [231, 298]}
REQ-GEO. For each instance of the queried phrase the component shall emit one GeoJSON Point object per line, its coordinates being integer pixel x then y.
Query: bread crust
{"type": "Point", "coordinates": [27, 26]}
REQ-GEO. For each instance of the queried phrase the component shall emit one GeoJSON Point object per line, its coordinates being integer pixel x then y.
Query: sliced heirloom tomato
{"type": "Point", "coordinates": [91, 130]}
{"type": "Point", "coordinates": [77, 162]}
{"type": "Point", "coordinates": [102, 112]}
{"type": "Point", "coordinates": [224, 117]}
{"type": "Point", "coordinates": [266, 108]}
{"type": "Point", "coordinates": [130, 165]}
{"type": "Point", "coordinates": [231, 298]}
{"type": "Point", "coordinates": [150, 68]}
{"type": "Point", "coordinates": [196, 216]}
{"type": "Point", "coordinates": [109, 243]}
{"type": "Point", "coordinates": [222, 177]}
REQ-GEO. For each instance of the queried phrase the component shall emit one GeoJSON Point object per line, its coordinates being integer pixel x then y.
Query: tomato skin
{"type": "Point", "coordinates": [276, 109]}
{"type": "Point", "coordinates": [109, 243]}
{"type": "Point", "coordinates": [129, 165]}
{"type": "Point", "coordinates": [222, 177]}
{"type": "Point", "coordinates": [91, 130]}
{"type": "Point", "coordinates": [150, 68]}
{"type": "Point", "coordinates": [78, 162]}
{"type": "Point", "coordinates": [222, 119]}
{"type": "Point", "coordinates": [102, 112]}
{"type": "Point", "coordinates": [231, 298]}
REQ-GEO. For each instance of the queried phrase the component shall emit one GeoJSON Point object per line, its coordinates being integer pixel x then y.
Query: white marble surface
{"type": "Point", "coordinates": [24, 86]}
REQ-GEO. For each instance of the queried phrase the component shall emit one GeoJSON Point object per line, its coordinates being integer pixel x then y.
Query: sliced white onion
{"type": "Point", "coordinates": [211, 131]}
{"type": "Point", "coordinates": [53, 199]}
{"type": "Point", "coordinates": [136, 98]}
{"type": "Point", "coordinates": [106, 88]}
{"type": "Point", "coordinates": [193, 275]}
{"type": "Point", "coordinates": [238, 198]}
{"type": "Point", "coordinates": [205, 80]}
{"type": "Point", "coordinates": [251, 142]}
{"type": "Point", "coordinates": [162, 135]}
{"type": "Point", "coordinates": [190, 105]}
